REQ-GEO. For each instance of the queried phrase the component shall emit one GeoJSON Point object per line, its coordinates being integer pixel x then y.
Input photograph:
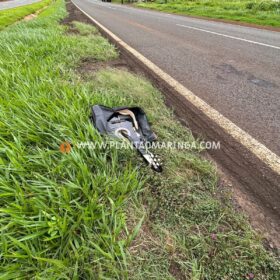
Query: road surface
{"type": "Point", "coordinates": [16, 3]}
{"type": "Point", "coordinates": [233, 68]}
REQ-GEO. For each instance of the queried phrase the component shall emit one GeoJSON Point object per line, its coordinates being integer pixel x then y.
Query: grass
{"type": "Point", "coordinates": [102, 214]}
{"type": "Point", "coordinates": [261, 12]}
{"type": "Point", "coordinates": [11, 16]}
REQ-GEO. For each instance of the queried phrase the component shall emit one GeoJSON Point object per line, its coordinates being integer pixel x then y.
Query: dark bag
{"type": "Point", "coordinates": [130, 123]}
{"type": "Point", "coordinates": [102, 115]}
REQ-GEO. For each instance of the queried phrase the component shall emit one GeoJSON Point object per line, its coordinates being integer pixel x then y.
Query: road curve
{"type": "Point", "coordinates": [235, 69]}
{"type": "Point", "coordinates": [16, 3]}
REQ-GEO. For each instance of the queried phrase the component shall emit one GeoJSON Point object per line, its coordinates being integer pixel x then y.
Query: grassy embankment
{"type": "Point", "coordinates": [266, 12]}
{"type": "Point", "coordinates": [102, 214]}
{"type": "Point", "coordinates": [10, 16]}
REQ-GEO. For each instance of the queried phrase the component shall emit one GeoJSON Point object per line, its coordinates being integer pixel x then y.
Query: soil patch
{"type": "Point", "coordinates": [176, 271]}
{"type": "Point", "coordinates": [88, 65]}
{"type": "Point", "coordinates": [32, 16]}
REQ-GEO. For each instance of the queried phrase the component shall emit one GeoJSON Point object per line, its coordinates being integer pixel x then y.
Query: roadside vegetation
{"type": "Point", "coordinates": [102, 213]}
{"type": "Point", "coordinates": [10, 16]}
{"type": "Point", "coordinates": [261, 12]}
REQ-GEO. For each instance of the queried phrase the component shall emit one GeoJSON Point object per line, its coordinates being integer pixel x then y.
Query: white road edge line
{"type": "Point", "coordinates": [228, 36]}
{"type": "Point", "coordinates": [254, 146]}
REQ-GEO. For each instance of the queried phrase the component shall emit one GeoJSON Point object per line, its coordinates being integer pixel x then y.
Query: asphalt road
{"type": "Point", "coordinates": [233, 68]}
{"type": "Point", "coordinates": [15, 3]}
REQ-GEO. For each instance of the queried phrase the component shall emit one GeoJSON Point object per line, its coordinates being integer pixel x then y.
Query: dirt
{"type": "Point", "coordinates": [259, 220]}
{"type": "Point", "coordinates": [176, 271]}
{"type": "Point", "coordinates": [74, 15]}
{"type": "Point", "coordinates": [89, 65]}
{"type": "Point", "coordinates": [254, 185]}
{"type": "Point", "coordinates": [32, 16]}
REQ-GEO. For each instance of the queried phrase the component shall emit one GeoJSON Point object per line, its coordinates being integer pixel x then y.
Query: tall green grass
{"type": "Point", "coordinates": [262, 12]}
{"type": "Point", "coordinates": [79, 215]}
{"type": "Point", "coordinates": [60, 214]}
{"type": "Point", "coordinates": [10, 16]}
